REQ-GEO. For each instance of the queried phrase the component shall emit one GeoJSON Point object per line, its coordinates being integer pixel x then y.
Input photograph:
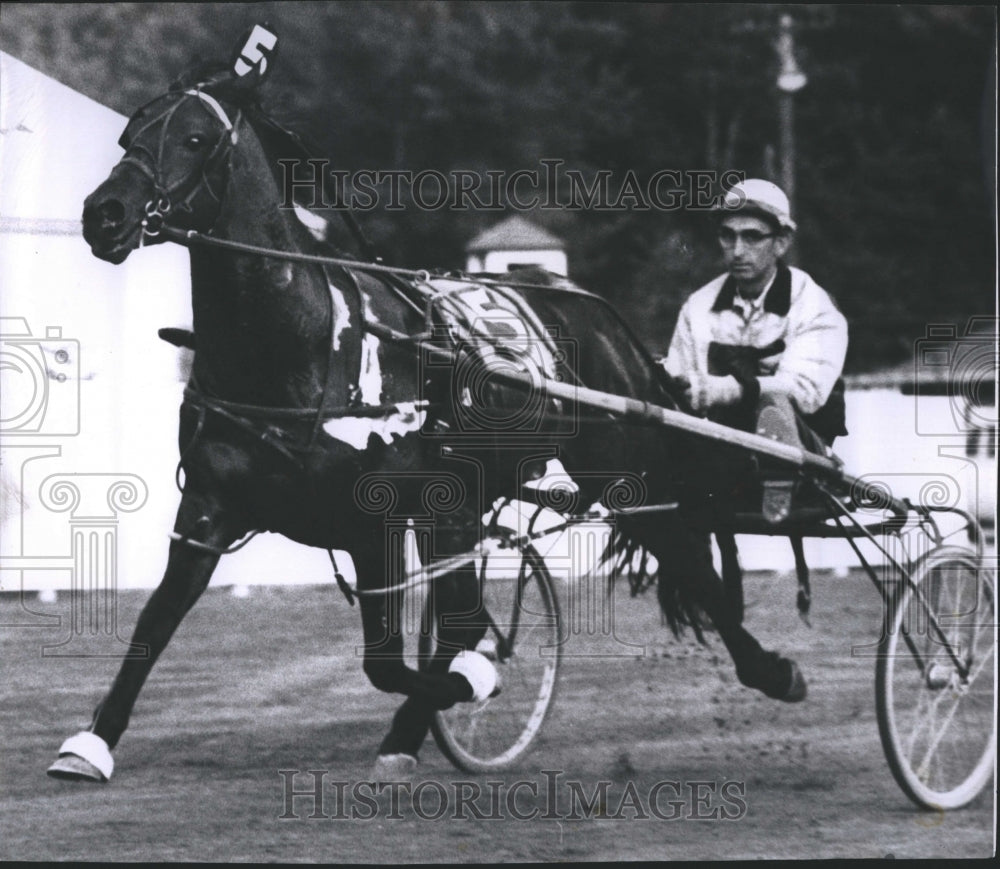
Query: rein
{"type": "Point", "coordinates": [421, 276]}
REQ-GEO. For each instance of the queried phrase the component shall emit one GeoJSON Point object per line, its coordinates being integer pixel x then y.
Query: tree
{"type": "Point", "coordinates": [894, 130]}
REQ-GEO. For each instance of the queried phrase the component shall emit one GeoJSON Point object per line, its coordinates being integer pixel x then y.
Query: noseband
{"type": "Point", "coordinates": [150, 164]}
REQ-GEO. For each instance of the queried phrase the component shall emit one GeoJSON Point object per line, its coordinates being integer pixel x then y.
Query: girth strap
{"type": "Point", "coordinates": [196, 397]}
{"type": "Point", "coordinates": [253, 419]}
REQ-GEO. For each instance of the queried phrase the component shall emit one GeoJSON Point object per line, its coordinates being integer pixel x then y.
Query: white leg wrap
{"type": "Point", "coordinates": [478, 671]}
{"type": "Point", "coordinates": [92, 749]}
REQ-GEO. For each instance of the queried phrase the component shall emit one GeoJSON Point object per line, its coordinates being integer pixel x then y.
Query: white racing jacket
{"type": "Point", "coordinates": [803, 335]}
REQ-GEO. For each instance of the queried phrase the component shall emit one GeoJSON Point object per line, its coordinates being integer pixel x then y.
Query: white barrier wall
{"type": "Point", "coordinates": [906, 443]}
{"type": "Point", "coordinates": [84, 381]}
{"type": "Point", "coordinates": [137, 439]}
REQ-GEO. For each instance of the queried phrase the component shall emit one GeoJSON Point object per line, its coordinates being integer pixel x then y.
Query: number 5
{"type": "Point", "coordinates": [259, 45]}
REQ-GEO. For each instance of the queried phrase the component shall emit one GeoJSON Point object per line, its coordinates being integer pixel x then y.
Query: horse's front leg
{"type": "Point", "coordinates": [87, 756]}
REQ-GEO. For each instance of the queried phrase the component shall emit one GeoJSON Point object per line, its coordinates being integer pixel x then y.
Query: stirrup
{"type": "Point", "coordinates": [776, 503]}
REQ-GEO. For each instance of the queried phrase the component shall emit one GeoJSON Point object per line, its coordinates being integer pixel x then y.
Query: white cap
{"type": "Point", "coordinates": [756, 194]}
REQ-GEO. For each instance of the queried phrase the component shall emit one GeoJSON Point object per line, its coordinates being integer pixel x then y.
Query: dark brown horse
{"type": "Point", "coordinates": [311, 414]}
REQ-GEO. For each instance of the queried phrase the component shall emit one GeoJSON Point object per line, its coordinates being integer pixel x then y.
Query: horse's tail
{"type": "Point", "coordinates": [624, 556]}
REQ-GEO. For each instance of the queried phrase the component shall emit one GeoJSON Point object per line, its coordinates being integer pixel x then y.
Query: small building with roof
{"type": "Point", "coordinates": [516, 242]}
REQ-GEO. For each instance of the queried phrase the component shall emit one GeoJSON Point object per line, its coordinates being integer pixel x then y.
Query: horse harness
{"type": "Point", "coordinates": [270, 425]}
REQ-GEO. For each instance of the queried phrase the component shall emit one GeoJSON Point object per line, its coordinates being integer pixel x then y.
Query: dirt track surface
{"type": "Point", "coordinates": [253, 686]}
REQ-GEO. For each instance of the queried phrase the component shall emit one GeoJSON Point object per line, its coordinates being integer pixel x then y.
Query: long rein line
{"type": "Point", "coordinates": [422, 276]}
{"type": "Point", "coordinates": [235, 410]}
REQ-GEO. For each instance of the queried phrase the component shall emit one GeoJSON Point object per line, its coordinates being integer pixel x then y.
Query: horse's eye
{"type": "Point", "coordinates": [194, 143]}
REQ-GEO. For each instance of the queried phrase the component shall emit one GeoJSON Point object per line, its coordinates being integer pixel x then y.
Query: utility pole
{"type": "Point", "coordinates": [791, 79]}
{"type": "Point", "coordinates": [750, 20]}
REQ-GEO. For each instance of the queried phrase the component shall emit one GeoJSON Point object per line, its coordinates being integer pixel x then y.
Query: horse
{"type": "Point", "coordinates": [309, 413]}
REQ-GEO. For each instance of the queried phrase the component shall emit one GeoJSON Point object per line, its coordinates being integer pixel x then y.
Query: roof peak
{"type": "Point", "coordinates": [515, 233]}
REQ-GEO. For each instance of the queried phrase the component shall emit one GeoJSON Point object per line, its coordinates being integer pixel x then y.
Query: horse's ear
{"type": "Point", "coordinates": [254, 55]}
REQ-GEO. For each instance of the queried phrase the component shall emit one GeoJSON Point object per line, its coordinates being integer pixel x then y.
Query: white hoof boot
{"type": "Point", "coordinates": [478, 671]}
{"type": "Point", "coordinates": [84, 757]}
{"type": "Point", "coordinates": [394, 767]}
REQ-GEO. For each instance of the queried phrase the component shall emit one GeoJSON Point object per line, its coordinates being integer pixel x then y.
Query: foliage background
{"type": "Point", "coordinates": [895, 139]}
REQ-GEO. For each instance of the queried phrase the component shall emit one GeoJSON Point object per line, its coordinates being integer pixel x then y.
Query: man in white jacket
{"type": "Point", "coordinates": [762, 347]}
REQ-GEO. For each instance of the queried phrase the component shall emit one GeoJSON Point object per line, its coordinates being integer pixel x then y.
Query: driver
{"type": "Point", "coordinates": [761, 347]}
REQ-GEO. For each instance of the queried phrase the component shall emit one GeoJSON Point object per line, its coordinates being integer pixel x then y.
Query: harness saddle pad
{"type": "Point", "coordinates": [495, 318]}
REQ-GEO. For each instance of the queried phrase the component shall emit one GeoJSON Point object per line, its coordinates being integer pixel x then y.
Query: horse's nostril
{"type": "Point", "coordinates": [111, 213]}
{"type": "Point", "coordinates": [106, 215]}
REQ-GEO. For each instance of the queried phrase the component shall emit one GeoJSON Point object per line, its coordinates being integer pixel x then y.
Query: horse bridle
{"type": "Point", "coordinates": [150, 165]}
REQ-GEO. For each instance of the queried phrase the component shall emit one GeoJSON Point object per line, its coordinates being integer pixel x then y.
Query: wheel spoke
{"type": "Point", "coordinates": [937, 734]}
{"type": "Point", "coordinates": [937, 718]}
{"type": "Point", "coordinates": [521, 612]}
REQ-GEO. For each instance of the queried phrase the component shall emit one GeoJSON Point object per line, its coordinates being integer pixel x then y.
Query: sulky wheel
{"type": "Point", "coordinates": [935, 680]}
{"type": "Point", "coordinates": [522, 639]}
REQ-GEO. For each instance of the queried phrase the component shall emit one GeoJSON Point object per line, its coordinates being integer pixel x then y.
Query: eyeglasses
{"type": "Point", "coordinates": [750, 237]}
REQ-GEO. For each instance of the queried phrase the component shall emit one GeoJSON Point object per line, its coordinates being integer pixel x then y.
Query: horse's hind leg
{"type": "Point", "coordinates": [732, 572]}
{"type": "Point", "coordinates": [804, 595]}
{"type": "Point", "coordinates": [434, 688]}
{"type": "Point", "coordinates": [691, 567]}
{"type": "Point", "coordinates": [188, 572]}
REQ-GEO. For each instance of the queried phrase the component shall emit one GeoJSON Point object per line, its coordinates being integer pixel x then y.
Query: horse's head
{"type": "Point", "coordinates": [178, 149]}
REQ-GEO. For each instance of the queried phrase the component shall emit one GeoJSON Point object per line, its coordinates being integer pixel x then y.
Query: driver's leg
{"type": "Point", "coordinates": [778, 419]}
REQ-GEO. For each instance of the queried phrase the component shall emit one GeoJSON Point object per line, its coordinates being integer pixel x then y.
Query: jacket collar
{"type": "Point", "coordinates": [777, 301]}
